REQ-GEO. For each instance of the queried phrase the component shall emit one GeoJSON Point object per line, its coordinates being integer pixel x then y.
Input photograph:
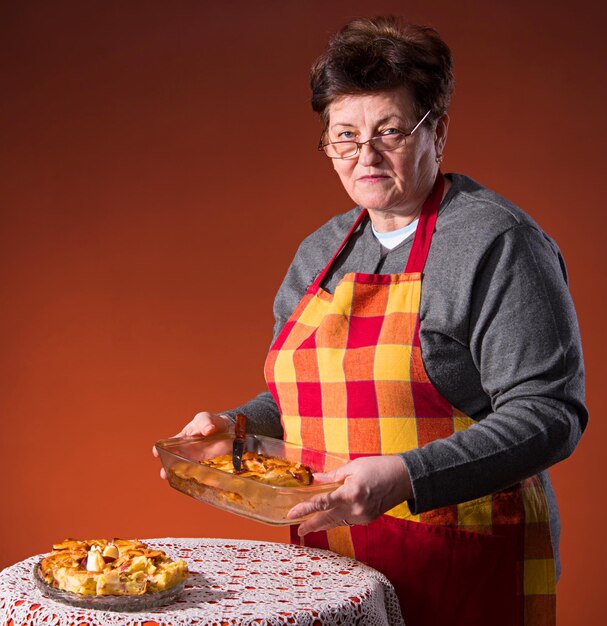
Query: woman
{"type": "Point", "coordinates": [429, 334]}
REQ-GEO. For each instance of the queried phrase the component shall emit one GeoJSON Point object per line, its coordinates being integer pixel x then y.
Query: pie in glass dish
{"type": "Point", "coordinates": [275, 475]}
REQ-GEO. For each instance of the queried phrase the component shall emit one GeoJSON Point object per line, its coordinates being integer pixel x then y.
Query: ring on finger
{"type": "Point", "coordinates": [345, 522]}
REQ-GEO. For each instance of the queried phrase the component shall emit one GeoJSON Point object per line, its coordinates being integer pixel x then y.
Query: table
{"type": "Point", "coordinates": [232, 582]}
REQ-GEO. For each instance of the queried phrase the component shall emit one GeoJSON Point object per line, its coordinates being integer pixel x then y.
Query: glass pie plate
{"type": "Point", "coordinates": [126, 603]}
{"type": "Point", "coordinates": [244, 496]}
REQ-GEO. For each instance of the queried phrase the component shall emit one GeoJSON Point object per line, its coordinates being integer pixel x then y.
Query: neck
{"type": "Point", "coordinates": [387, 220]}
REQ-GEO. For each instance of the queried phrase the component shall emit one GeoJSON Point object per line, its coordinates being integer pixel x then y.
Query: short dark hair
{"type": "Point", "coordinates": [380, 54]}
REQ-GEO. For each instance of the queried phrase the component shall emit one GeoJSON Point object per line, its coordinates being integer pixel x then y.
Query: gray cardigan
{"type": "Point", "coordinates": [499, 340]}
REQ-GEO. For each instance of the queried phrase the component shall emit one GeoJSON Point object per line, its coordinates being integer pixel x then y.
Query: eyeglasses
{"type": "Point", "coordinates": [380, 143]}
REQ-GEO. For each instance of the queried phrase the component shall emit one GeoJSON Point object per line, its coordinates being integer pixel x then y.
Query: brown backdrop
{"type": "Point", "coordinates": [158, 171]}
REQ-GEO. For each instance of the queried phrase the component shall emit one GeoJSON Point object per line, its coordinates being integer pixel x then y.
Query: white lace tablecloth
{"type": "Point", "coordinates": [232, 582]}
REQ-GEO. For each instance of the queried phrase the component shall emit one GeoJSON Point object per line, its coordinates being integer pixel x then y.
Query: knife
{"type": "Point", "coordinates": [238, 447]}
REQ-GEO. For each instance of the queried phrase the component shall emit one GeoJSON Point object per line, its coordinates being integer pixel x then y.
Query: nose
{"type": "Point", "coordinates": [368, 155]}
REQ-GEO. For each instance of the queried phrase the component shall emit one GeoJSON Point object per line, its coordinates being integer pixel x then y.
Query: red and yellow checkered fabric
{"type": "Point", "coordinates": [347, 374]}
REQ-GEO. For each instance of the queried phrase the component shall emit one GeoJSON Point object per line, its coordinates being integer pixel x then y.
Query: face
{"type": "Point", "coordinates": [391, 185]}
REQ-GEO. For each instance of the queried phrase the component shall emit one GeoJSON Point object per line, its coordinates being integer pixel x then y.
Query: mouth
{"type": "Point", "coordinates": [372, 178]}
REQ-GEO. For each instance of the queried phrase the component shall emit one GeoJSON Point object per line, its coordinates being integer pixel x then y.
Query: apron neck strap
{"type": "Point", "coordinates": [423, 233]}
{"type": "Point", "coordinates": [316, 284]}
{"type": "Point", "coordinates": [425, 228]}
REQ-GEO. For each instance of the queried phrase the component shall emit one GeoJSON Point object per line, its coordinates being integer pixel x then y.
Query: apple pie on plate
{"type": "Point", "coordinates": [122, 574]}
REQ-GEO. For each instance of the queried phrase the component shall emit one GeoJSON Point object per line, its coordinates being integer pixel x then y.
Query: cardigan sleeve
{"type": "Point", "coordinates": [524, 340]}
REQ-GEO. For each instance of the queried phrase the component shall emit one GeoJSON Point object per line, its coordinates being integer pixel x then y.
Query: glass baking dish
{"type": "Point", "coordinates": [244, 496]}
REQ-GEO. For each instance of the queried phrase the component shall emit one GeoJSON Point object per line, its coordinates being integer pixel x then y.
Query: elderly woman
{"type": "Point", "coordinates": [429, 334]}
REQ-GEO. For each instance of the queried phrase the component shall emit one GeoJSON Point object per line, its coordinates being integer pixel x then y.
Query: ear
{"type": "Point", "coordinates": [440, 134]}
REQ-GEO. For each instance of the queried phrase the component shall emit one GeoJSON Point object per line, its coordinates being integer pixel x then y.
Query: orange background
{"type": "Point", "coordinates": [158, 169]}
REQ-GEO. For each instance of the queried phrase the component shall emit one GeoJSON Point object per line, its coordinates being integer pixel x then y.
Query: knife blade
{"type": "Point", "coordinates": [239, 445]}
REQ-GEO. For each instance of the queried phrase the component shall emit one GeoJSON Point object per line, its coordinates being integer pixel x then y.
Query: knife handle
{"type": "Point", "coordinates": [241, 426]}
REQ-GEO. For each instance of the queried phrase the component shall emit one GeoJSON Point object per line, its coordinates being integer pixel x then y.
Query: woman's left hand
{"type": "Point", "coordinates": [371, 486]}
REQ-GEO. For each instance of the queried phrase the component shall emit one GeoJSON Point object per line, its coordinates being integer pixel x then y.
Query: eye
{"type": "Point", "coordinates": [345, 135]}
{"type": "Point", "coordinates": [391, 131]}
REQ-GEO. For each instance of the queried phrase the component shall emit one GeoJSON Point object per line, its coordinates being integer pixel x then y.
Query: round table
{"type": "Point", "coordinates": [232, 582]}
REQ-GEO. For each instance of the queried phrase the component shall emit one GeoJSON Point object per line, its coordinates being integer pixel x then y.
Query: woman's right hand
{"type": "Point", "coordinates": [203, 423]}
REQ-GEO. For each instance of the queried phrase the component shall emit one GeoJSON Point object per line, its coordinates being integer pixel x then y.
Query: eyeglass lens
{"type": "Point", "coordinates": [381, 143]}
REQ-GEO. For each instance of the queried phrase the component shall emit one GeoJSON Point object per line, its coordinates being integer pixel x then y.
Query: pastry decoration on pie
{"type": "Point", "coordinates": [265, 469]}
{"type": "Point", "coordinates": [121, 567]}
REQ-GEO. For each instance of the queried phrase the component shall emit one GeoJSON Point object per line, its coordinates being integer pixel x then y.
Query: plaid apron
{"type": "Point", "coordinates": [348, 377]}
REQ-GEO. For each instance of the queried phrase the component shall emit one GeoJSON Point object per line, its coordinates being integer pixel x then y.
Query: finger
{"type": "Point", "coordinates": [322, 521]}
{"type": "Point", "coordinates": [163, 473]}
{"type": "Point", "coordinates": [328, 477]}
{"type": "Point", "coordinates": [209, 429]}
{"type": "Point", "coordinates": [316, 504]}
{"type": "Point", "coordinates": [192, 430]}
{"type": "Point", "coordinates": [154, 451]}
{"type": "Point", "coordinates": [338, 475]}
